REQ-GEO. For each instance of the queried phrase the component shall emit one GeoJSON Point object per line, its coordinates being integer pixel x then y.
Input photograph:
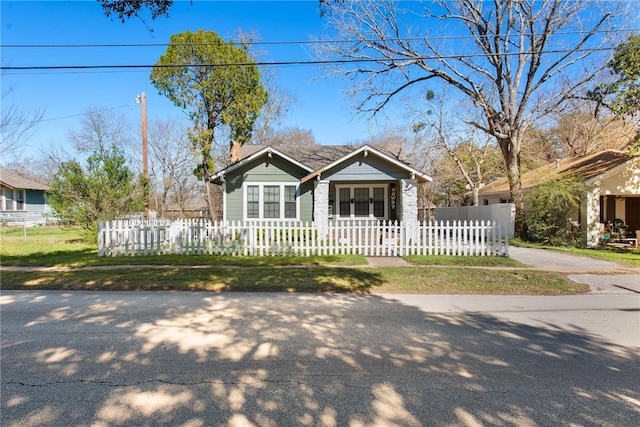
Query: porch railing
{"type": "Point", "coordinates": [293, 238]}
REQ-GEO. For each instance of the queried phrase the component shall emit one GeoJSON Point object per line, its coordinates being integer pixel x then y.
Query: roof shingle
{"type": "Point", "coordinates": [11, 179]}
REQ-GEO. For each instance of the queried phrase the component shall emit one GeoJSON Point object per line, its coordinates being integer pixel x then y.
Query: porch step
{"type": "Point", "coordinates": [387, 261]}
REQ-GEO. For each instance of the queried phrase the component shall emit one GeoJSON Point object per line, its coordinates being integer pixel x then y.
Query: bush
{"type": "Point", "coordinates": [549, 208]}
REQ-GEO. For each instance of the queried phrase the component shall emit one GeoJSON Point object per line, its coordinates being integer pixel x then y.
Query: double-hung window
{"type": "Point", "coordinates": [271, 201]}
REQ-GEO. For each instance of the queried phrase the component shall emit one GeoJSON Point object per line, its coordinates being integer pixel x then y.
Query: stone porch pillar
{"type": "Point", "coordinates": [409, 207]}
{"type": "Point", "coordinates": [590, 217]}
{"type": "Point", "coordinates": [321, 208]}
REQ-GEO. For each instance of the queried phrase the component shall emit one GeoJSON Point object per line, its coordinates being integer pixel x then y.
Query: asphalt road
{"type": "Point", "coordinates": [203, 359]}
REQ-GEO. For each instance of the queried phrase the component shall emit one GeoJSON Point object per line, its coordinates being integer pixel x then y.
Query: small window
{"type": "Point", "coordinates": [378, 202]}
{"type": "Point", "coordinates": [290, 201]}
{"type": "Point", "coordinates": [345, 208]}
{"type": "Point", "coordinates": [20, 205]}
{"type": "Point", "coordinates": [253, 202]}
{"type": "Point", "coordinates": [8, 199]}
{"type": "Point", "coordinates": [271, 201]}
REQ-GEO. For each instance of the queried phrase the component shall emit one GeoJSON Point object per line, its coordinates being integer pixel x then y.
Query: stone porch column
{"type": "Point", "coordinates": [590, 217]}
{"type": "Point", "coordinates": [321, 208]}
{"type": "Point", "coordinates": [409, 206]}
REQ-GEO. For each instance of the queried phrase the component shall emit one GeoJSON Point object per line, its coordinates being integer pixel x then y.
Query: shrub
{"type": "Point", "coordinates": [549, 208]}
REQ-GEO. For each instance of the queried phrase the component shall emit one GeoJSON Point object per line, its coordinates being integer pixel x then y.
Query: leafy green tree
{"type": "Point", "coordinates": [218, 85]}
{"type": "Point", "coordinates": [105, 189]}
{"type": "Point", "coordinates": [550, 209]}
{"type": "Point", "coordinates": [125, 9]}
{"type": "Point", "coordinates": [622, 96]}
{"type": "Point", "coordinates": [625, 91]}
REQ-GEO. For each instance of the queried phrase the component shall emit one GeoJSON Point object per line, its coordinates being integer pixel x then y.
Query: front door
{"type": "Point", "coordinates": [362, 201]}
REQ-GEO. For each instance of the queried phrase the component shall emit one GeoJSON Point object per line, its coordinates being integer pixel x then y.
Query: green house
{"type": "Point", "coordinates": [319, 184]}
{"type": "Point", "coordinates": [22, 200]}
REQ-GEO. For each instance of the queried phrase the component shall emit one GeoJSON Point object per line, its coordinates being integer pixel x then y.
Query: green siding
{"type": "Point", "coordinates": [264, 169]}
{"type": "Point", "coordinates": [370, 168]}
{"type": "Point", "coordinates": [306, 201]}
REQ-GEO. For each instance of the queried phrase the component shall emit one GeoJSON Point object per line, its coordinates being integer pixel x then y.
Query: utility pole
{"type": "Point", "coordinates": [142, 100]}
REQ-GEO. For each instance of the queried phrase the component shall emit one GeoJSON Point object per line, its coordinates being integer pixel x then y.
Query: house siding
{"type": "Point", "coordinates": [266, 170]}
{"type": "Point", "coordinates": [369, 168]}
{"type": "Point", "coordinates": [36, 201]}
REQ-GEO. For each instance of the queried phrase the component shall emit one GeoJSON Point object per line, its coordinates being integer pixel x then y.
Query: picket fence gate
{"type": "Point", "coordinates": [295, 238]}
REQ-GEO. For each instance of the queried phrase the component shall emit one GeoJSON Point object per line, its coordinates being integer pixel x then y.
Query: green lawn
{"type": "Point", "coordinates": [48, 246]}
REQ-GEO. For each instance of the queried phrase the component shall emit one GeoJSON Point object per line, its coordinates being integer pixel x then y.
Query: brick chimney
{"type": "Point", "coordinates": [234, 153]}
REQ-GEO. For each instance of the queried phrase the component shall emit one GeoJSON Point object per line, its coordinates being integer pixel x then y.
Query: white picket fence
{"type": "Point", "coordinates": [283, 238]}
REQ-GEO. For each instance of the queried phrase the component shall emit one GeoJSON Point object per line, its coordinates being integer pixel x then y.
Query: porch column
{"type": "Point", "coordinates": [321, 208]}
{"type": "Point", "coordinates": [409, 207]}
{"type": "Point", "coordinates": [590, 218]}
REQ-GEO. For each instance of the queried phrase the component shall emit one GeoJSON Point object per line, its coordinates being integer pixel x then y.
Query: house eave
{"type": "Point", "coordinates": [366, 149]}
{"type": "Point", "coordinates": [218, 177]}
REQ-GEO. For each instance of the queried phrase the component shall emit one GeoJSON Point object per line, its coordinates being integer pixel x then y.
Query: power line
{"type": "Point", "coordinates": [286, 42]}
{"type": "Point", "coordinates": [72, 116]}
{"type": "Point", "coordinates": [297, 62]}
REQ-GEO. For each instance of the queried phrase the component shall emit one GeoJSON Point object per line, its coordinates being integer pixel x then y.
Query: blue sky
{"type": "Point", "coordinates": [320, 106]}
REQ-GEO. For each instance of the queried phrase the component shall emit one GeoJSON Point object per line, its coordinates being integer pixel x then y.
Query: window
{"type": "Point", "coordinates": [345, 207]}
{"type": "Point", "coordinates": [12, 199]}
{"type": "Point", "coordinates": [271, 201]}
{"type": "Point", "coordinates": [361, 196]}
{"type": "Point", "coordinates": [378, 202]}
{"type": "Point", "coordinates": [253, 202]}
{"type": "Point", "coordinates": [290, 202]}
{"type": "Point", "coordinates": [362, 201]}
{"type": "Point", "coordinates": [20, 205]}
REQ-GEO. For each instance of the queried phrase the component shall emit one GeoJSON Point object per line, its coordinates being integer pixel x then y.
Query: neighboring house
{"type": "Point", "coordinates": [193, 207]}
{"type": "Point", "coordinates": [319, 184]}
{"type": "Point", "coordinates": [22, 200]}
{"type": "Point", "coordinates": [613, 180]}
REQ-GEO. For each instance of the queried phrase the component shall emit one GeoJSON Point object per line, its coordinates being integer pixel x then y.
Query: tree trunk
{"type": "Point", "coordinates": [209, 197]}
{"type": "Point", "coordinates": [476, 198]}
{"type": "Point", "coordinates": [511, 153]}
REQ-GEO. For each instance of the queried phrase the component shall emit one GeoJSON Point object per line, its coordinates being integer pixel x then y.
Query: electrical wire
{"type": "Point", "coordinates": [295, 62]}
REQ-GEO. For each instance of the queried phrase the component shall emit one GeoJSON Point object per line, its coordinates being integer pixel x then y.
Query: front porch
{"type": "Point", "coordinates": [611, 218]}
{"type": "Point", "coordinates": [336, 201]}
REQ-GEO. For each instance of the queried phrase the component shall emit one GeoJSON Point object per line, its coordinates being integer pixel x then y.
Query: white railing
{"type": "Point", "coordinates": [294, 238]}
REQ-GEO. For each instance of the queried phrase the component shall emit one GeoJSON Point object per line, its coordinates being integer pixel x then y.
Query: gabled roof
{"type": "Point", "coordinates": [254, 154]}
{"type": "Point", "coordinates": [586, 168]}
{"type": "Point", "coordinates": [317, 158]}
{"type": "Point", "coordinates": [13, 180]}
{"type": "Point", "coordinates": [367, 149]}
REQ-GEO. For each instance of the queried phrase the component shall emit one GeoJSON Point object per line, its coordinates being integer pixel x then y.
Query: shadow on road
{"type": "Point", "coordinates": [304, 359]}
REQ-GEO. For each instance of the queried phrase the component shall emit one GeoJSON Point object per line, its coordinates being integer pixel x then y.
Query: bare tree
{"type": "Point", "coordinates": [580, 133]}
{"type": "Point", "coordinates": [171, 164]}
{"type": "Point", "coordinates": [16, 125]}
{"type": "Point", "coordinates": [442, 127]}
{"type": "Point", "coordinates": [99, 129]}
{"type": "Point", "coordinates": [507, 57]}
{"type": "Point", "coordinates": [290, 136]}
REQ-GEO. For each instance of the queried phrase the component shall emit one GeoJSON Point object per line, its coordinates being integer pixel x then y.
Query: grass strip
{"type": "Point", "coordinates": [446, 280]}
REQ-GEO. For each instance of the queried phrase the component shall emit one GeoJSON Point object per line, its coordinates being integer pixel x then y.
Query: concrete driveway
{"type": "Point", "coordinates": [262, 359]}
{"type": "Point", "coordinates": [603, 277]}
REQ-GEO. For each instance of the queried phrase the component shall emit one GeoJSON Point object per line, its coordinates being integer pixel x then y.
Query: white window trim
{"type": "Point", "coordinates": [261, 186]}
{"type": "Point", "coordinates": [352, 205]}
